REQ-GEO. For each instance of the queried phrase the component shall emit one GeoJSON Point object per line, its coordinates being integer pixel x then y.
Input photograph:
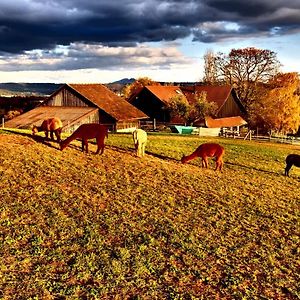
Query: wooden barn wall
{"type": "Point", "coordinates": [93, 118]}
{"type": "Point", "coordinates": [151, 106]}
{"type": "Point", "coordinates": [127, 124]}
{"type": "Point", "coordinates": [229, 109]}
{"type": "Point", "coordinates": [66, 98]}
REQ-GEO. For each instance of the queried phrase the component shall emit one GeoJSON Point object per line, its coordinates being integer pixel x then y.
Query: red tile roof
{"type": "Point", "coordinates": [224, 122]}
{"type": "Point", "coordinates": [218, 94]}
{"type": "Point", "coordinates": [108, 101]}
{"type": "Point", "coordinates": [165, 93]}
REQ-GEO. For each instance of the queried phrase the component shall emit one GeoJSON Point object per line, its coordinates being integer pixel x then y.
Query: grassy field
{"type": "Point", "coordinates": [84, 226]}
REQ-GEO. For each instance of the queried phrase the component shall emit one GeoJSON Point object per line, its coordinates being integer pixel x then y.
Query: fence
{"type": "Point", "coordinates": [251, 135]}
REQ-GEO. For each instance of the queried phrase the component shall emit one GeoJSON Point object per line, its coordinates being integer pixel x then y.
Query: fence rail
{"type": "Point", "coordinates": [250, 135]}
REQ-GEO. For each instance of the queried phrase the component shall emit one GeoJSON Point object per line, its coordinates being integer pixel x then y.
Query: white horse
{"type": "Point", "coordinates": [140, 141]}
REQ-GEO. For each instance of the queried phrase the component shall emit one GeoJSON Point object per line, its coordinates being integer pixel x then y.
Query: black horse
{"type": "Point", "coordinates": [291, 159]}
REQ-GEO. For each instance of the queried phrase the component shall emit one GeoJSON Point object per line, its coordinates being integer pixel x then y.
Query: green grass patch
{"type": "Point", "coordinates": [85, 226]}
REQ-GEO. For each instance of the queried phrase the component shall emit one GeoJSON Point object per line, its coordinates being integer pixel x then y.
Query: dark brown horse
{"type": "Point", "coordinates": [86, 132]}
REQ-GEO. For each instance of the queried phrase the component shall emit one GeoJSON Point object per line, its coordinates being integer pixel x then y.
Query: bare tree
{"type": "Point", "coordinates": [210, 70]}
{"type": "Point", "coordinates": [244, 68]}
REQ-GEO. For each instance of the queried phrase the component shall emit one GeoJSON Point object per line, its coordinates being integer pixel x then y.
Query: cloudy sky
{"type": "Point", "coordinates": [103, 41]}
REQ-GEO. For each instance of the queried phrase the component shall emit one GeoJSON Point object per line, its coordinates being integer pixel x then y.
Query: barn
{"type": "Point", "coordinates": [224, 96]}
{"type": "Point", "coordinates": [152, 100]}
{"type": "Point", "coordinates": [76, 104]}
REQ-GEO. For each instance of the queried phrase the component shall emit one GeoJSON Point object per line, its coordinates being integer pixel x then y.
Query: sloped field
{"type": "Point", "coordinates": [84, 226]}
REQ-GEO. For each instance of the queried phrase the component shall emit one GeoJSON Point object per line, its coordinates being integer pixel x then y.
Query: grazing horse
{"type": "Point", "coordinates": [291, 159]}
{"type": "Point", "coordinates": [207, 150]}
{"type": "Point", "coordinates": [140, 141]}
{"type": "Point", "coordinates": [86, 132]}
{"type": "Point", "coordinates": [52, 125]}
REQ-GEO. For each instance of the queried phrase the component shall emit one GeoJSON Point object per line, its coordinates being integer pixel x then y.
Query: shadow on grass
{"type": "Point", "coordinates": [196, 163]}
{"type": "Point", "coordinates": [133, 152]}
{"type": "Point", "coordinates": [36, 138]}
{"type": "Point", "coordinates": [254, 168]}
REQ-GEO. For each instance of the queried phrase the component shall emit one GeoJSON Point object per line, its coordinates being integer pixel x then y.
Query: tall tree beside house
{"type": "Point", "coordinates": [132, 88]}
{"type": "Point", "coordinates": [244, 69]}
{"type": "Point", "coordinates": [179, 107]}
{"type": "Point", "coordinates": [192, 112]}
{"type": "Point", "coordinates": [210, 70]}
{"type": "Point", "coordinates": [278, 107]}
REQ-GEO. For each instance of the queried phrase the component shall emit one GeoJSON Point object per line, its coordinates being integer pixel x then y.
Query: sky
{"type": "Point", "coordinates": [101, 41]}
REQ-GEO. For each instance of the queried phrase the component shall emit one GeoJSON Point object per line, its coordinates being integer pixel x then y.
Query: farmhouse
{"type": "Point", "coordinates": [76, 104]}
{"type": "Point", "coordinates": [152, 100]}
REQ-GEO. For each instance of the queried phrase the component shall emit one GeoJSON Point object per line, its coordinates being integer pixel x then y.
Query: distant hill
{"type": "Point", "coordinates": [124, 81]}
{"type": "Point", "coordinates": [28, 89]}
{"type": "Point", "coordinates": [46, 89]}
{"type": "Point", "coordinates": [118, 85]}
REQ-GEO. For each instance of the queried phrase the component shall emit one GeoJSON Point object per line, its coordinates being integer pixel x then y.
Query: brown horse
{"type": "Point", "coordinates": [291, 159]}
{"type": "Point", "coordinates": [207, 150]}
{"type": "Point", "coordinates": [52, 125]}
{"type": "Point", "coordinates": [86, 132]}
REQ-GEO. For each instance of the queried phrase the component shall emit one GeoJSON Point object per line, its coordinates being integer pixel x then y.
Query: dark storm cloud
{"type": "Point", "coordinates": [27, 25]}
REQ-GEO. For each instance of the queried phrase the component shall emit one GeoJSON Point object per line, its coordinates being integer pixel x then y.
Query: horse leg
{"type": "Point", "coordinates": [51, 135]}
{"type": "Point", "coordinates": [46, 134]}
{"type": "Point", "coordinates": [86, 144]}
{"type": "Point", "coordinates": [205, 159]}
{"type": "Point", "coordinates": [100, 147]}
{"type": "Point", "coordinates": [287, 169]}
{"type": "Point", "coordinates": [82, 145]}
{"type": "Point", "coordinates": [219, 164]}
{"type": "Point", "coordinates": [57, 134]}
{"type": "Point", "coordinates": [143, 149]}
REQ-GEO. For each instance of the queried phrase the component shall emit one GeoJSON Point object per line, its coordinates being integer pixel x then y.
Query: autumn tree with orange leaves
{"type": "Point", "coordinates": [132, 88]}
{"type": "Point", "coordinates": [277, 107]}
{"type": "Point", "coordinates": [192, 112]}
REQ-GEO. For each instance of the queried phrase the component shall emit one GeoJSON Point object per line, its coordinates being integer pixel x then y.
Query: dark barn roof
{"type": "Point", "coordinates": [108, 101]}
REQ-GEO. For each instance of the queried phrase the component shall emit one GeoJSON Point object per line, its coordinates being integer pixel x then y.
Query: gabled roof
{"type": "Point", "coordinates": [108, 101]}
{"type": "Point", "coordinates": [165, 93]}
{"type": "Point", "coordinates": [218, 94]}
{"type": "Point", "coordinates": [103, 98]}
{"type": "Point", "coordinates": [224, 122]}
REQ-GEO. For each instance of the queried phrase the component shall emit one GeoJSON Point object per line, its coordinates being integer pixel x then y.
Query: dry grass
{"type": "Point", "coordinates": [77, 226]}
